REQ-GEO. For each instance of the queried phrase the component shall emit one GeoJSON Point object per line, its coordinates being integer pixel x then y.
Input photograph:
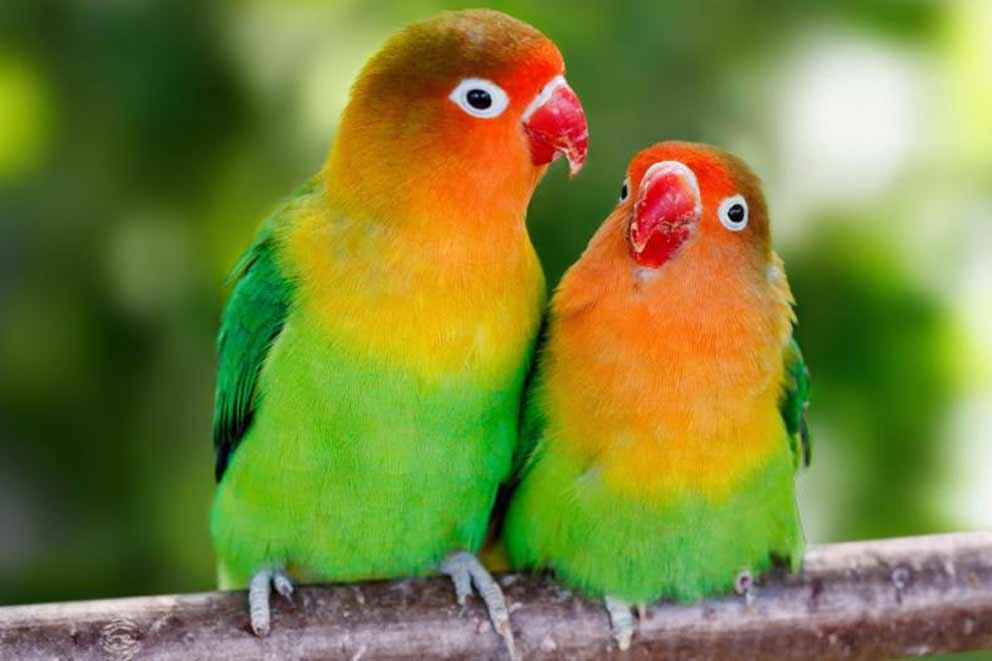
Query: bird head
{"type": "Point", "coordinates": [467, 106]}
{"type": "Point", "coordinates": [680, 194]}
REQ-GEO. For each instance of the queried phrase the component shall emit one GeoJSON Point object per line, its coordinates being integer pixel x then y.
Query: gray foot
{"type": "Point", "coordinates": [259, 590]}
{"type": "Point", "coordinates": [744, 585]}
{"type": "Point", "coordinates": [465, 571]}
{"type": "Point", "coordinates": [621, 622]}
{"type": "Point", "coordinates": [743, 582]}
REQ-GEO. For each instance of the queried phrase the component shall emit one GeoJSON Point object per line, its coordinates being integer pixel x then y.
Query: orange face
{"type": "Point", "coordinates": [676, 193]}
{"type": "Point", "coordinates": [470, 105]}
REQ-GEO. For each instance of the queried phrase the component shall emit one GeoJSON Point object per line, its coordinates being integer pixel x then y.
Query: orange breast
{"type": "Point", "coordinates": [668, 383]}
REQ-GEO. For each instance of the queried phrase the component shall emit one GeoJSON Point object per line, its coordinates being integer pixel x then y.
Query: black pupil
{"type": "Point", "coordinates": [736, 213]}
{"type": "Point", "coordinates": [623, 192]}
{"type": "Point", "coordinates": [479, 99]}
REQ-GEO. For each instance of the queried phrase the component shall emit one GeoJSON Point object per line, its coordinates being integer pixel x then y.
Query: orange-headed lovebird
{"type": "Point", "coordinates": [667, 414]}
{"type": "Point", "coordinates": [373, 351]}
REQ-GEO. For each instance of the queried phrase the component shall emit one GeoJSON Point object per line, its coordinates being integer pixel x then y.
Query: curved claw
{"type": "Point", "coordinates": [283, 585]}
{"type": "Point", "coordinates": [621, 622]}
{"type": "Point", "coordinates": [259, 591]}
{"type": "Point", "coordinates": [259, 588]}
{"type": "Point", "coordinates": [465, 570]}
{"type": "Point", "coordinates": [743, 582]}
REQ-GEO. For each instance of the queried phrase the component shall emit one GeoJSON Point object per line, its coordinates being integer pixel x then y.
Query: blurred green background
{"type": "Point", "coordinates": [141, 141]}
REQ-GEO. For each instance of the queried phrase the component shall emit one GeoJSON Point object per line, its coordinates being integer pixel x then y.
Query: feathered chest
{"type": "Point", "coordinates": [432, 303]}
{"type": "Point", "coordinates": [672, 387]}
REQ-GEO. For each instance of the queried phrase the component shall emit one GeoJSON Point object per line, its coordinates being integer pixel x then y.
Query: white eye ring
{"type": "Point", "coordinates": [739, 222]}
{"type": "Point", "coordinates": [479, 88]}
{"type": "Point", "coordinates": [625, 190]}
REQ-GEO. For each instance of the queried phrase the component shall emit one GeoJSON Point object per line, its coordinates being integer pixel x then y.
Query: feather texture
{"type": "Point", "coordinates": [662, 463]}
{"type": "Point", "coordinates": [375, 346]}
{"type": "Point", "coordinates": [252, 320]}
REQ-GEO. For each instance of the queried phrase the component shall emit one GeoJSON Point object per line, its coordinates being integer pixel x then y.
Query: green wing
{"type": "Point", "coordinates": [252, 320]}
{"type": "Point", "coordinates": [795, 401]}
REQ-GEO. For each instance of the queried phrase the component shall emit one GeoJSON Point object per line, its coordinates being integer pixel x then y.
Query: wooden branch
{"type": "Point", "coordinates": [864, 600]}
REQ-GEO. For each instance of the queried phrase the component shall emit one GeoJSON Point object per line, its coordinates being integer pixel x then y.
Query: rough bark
{"type": "Point", "coordinates": [863, 600]}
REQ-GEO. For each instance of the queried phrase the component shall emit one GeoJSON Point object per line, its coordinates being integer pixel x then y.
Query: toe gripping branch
{"type": "Point", "coordinates": [259, 592]}
{"type": "Point", "coordinates": [466, 571]}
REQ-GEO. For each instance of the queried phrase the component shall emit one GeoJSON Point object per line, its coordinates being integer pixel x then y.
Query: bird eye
{"type": "Point", "coordinates": [625, 190]}
{"type": "Point", "coordinates": [480, 98]}
{"type": "Point", "coordinates": [733, 213]}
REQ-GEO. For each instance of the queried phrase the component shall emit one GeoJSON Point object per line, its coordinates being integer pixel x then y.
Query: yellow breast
{"type": "Point", "coordinates": [416, 297]}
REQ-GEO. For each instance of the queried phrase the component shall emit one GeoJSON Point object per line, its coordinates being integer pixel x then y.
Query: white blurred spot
{"type": "Point", "coordinates": [973, 295]}
{"type": "Point", "coordinates": [969, 488]}
{"type": "Point", "coordinates": [969, 485]}
{"type": "Point", "coordinates": [851, 116]}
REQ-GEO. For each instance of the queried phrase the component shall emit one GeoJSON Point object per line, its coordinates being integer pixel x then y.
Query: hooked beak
{"type": "Point", "coordinates": [667, 207]}
{"type": "Point", "coordinates": [555, 124]}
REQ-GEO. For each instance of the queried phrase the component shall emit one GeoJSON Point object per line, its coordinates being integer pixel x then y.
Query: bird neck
{"type": "Point", "coordinates": [426, 190]}
{"type": "Point", "coordinates": [417, 286]}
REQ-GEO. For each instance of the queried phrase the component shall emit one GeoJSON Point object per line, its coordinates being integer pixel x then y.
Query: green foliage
{"type": "Point", "coordinates": [878, 344]}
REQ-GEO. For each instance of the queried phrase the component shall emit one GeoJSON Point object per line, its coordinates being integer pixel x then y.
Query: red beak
{"type": "Point", "coordinates": [555, 123]}
{"type": "Point", "coordinates": [667, 207]}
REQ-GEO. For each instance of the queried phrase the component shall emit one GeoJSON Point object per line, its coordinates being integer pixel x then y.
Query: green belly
{"type": "Point", "coordinates": [353, 469]}
{"type": "Point", "coordinates": [604, 542]}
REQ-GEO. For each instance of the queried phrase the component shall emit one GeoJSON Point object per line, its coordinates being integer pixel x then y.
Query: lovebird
{"type": "Point", "coordinates": [373, 349]}
{"type": "Point", "coordinates": [666, 417]}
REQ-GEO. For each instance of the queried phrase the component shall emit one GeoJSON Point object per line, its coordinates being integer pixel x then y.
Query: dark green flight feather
{"type": "Point", "coordinates": [253, 318]}
{"type": "Point", "coordinates": [795, 401]}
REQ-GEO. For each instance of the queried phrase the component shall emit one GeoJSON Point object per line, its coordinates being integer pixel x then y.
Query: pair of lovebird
{"type": "Point", "coordinates": [375, 385]}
